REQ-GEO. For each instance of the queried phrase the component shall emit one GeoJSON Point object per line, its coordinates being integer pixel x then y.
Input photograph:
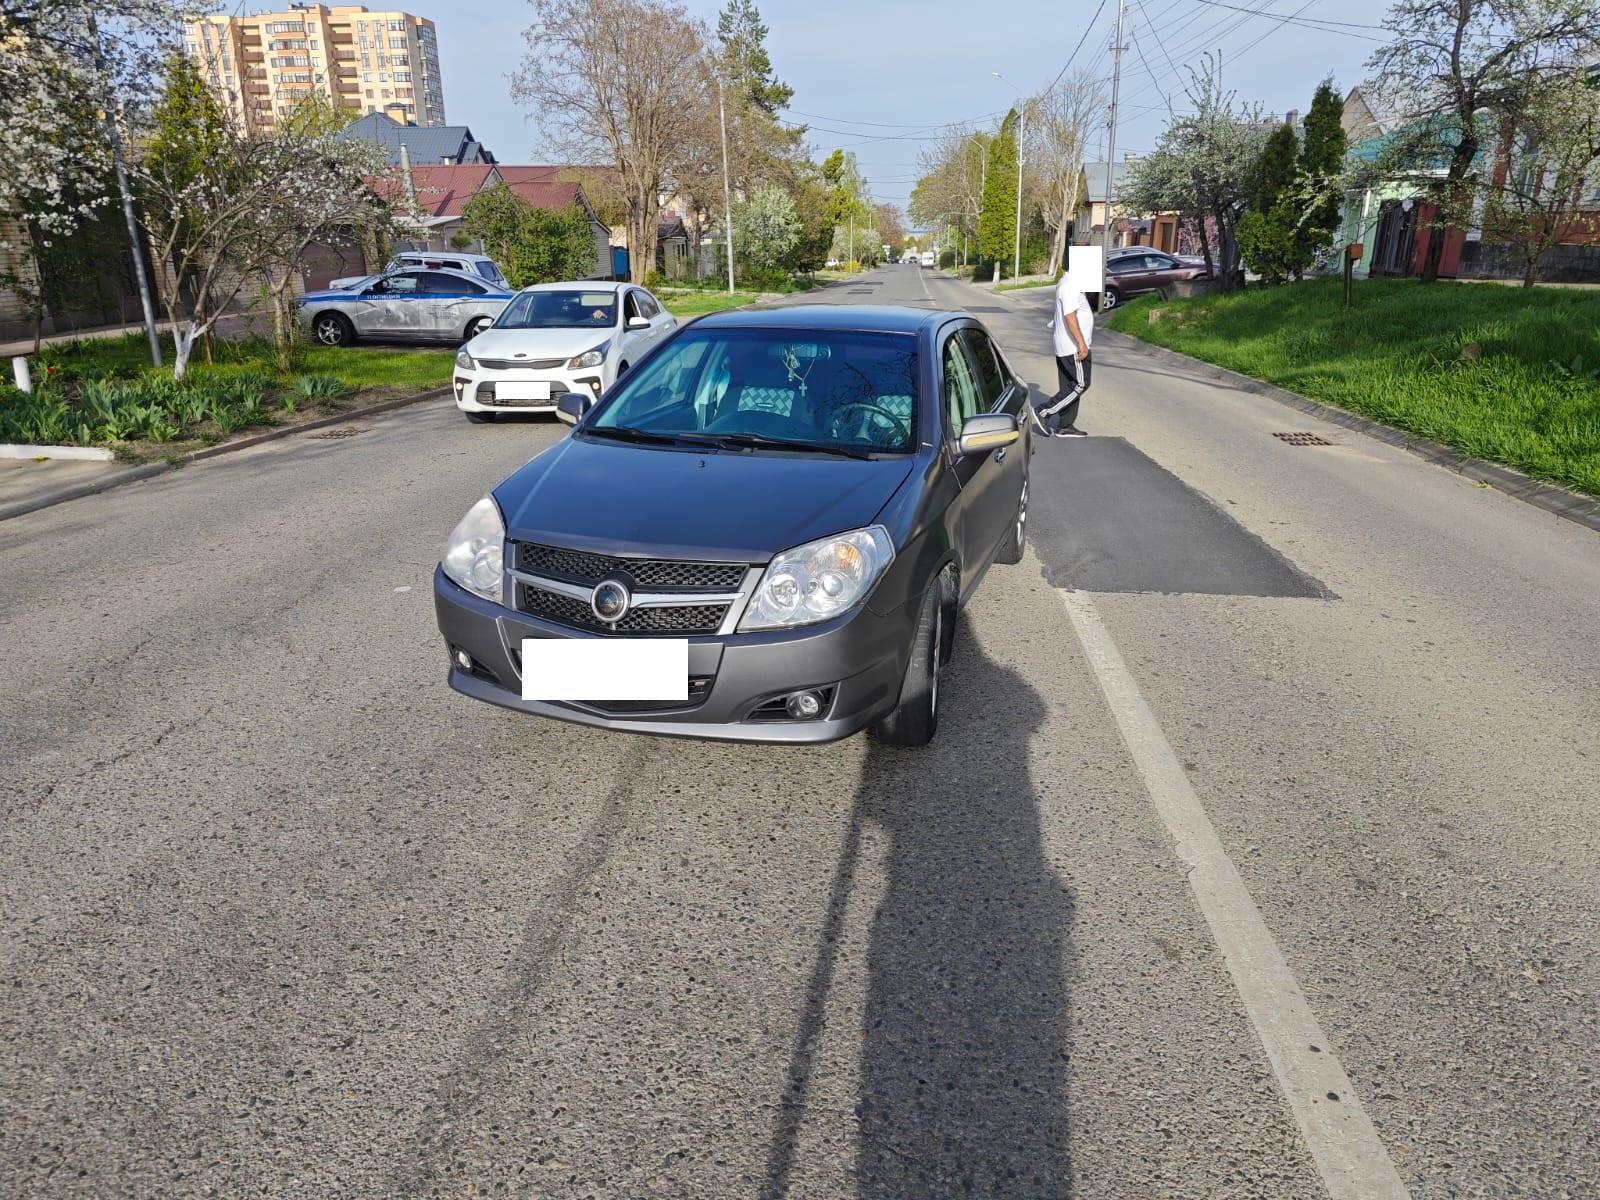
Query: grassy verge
{"type": "Point", "coordinates": [1506, 374]}
{"type": "Point", "coordinates": [697, 304]}
{"type": "Point", "coordinates": [103, 392]}
{"type": "Point", "coordinates": [1026, 284]}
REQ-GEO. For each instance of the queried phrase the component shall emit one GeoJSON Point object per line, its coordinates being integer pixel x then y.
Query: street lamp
{"type": "Point", "coordinates": [1022, 125]}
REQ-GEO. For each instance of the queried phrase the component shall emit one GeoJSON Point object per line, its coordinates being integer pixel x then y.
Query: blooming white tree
{"type": "Point", "coordinates": [766, 228]}
{"type": "Point", "coordinates": [67, 66]}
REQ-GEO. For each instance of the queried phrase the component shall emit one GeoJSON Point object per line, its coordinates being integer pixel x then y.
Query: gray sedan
{"type": "Point", "coordinates": [430, 305]}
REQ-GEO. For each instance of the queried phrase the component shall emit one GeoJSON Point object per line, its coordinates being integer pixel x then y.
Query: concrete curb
{"type": "Point", "coordinates": [76, 491]}
{"type": "Point", "coordinates": [28, 450]}
{"type": "Point", "coordinates": [1553, 498]}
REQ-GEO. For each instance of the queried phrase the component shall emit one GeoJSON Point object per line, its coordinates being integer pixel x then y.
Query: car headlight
{"type": "Point", "coordinates": [819, 580]}
{"type": "Point", "coordinates": [464, 361]}
{"type": "Point", "coordinates": [475, 556]}
{"type": "Point", "coordinates": [589, 358]}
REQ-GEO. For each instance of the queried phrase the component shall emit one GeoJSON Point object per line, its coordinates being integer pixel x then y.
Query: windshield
{"type": "Point", "coordinates": [560, 310]}
{"type": "Point", "coordinates": [751, 388]}
{"type": "Point", "coordinates": [491, 272]}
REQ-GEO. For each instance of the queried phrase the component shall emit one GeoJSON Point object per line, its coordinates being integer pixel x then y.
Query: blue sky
{"type": "Point", "coordinates": [906, 65]}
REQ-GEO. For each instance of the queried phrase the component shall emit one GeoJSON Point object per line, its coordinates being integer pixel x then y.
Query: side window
{"type": "Point", "coordinates": [647, 306]}
{"type": "Point", "coordinates": [960, 389]}
{"type": "Point", "coordinates": [991, 380]}
{"type": "Point", "coordinates": [630, 307]}
{"type": "Point", "coordinates": [408, 283]}
{"type": "Point", "coordinates": [437, 283]}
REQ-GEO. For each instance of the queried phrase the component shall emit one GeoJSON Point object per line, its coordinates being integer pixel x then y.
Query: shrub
{"type": "Point", "coordinates": [320, 387]}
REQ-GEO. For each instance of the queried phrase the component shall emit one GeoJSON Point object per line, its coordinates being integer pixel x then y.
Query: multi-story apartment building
{"type": "Point", "coordinates": [263, 65]}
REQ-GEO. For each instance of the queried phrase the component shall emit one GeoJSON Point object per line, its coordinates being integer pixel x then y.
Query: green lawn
{"type": "Point", "coordinates": [697, 304]}
{"type": "Point", "coordinates": [103, 391]}
{"type": "Point", "coordinates": [1507, 374]}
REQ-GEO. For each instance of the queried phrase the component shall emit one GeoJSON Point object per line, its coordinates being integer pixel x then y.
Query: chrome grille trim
{"type": "Point", "coordinates": [519, 364]}
{"type": "Point", "coordinates": [578, 591]}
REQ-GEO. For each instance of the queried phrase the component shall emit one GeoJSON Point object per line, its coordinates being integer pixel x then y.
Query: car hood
{"type": "Point", "coordinates": [536, 343]}
{"type": "Point", "coordinates": [617, 498]}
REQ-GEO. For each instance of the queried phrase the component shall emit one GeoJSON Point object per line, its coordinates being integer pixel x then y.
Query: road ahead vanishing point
{"type": "Point", "coordinates": [1257, 854]}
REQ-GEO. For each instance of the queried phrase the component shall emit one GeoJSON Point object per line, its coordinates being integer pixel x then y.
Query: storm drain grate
{"type": "Point", "coordinates": [1303, 439]}
{"type": "Point", "coordinates": [343, 431]}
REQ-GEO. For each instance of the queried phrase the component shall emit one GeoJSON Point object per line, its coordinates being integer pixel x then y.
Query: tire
{"type": "Point", "coordinates": [915, 718]}
{"type": "Point", "coordinates": [1111, 299]}
{"type": "Point", "coordinates": [333, 329]}
{"type": "Point", "coordinates": [474, 327]}
{"type": "Point", "coordinates": [480, 418]}
{"type": "Point", "coordinates": [1010, 552]}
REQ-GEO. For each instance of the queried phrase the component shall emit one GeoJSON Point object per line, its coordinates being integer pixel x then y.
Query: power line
{"type": "Point", "coordinates": [889, 124]}
{"type": "Point", "coordinates": [1088, 29]}
{"type": "Point", "coordinates": [1306, 21]}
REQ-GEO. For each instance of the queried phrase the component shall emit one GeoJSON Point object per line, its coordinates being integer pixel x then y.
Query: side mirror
{"type": "Point", "coordinates": [573, 405]}
{"type": "Point", "coordinates": [988, 432]}
{"type": "Point", "coordinates": [638, 323]}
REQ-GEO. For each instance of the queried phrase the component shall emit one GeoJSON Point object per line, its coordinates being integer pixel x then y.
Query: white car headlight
{"type": "Point", "coordinates": [589, 358]}
{"type": "Point", "coordinates": [464, 360]}
{"type": "Point", "coordinates": [475, 554]}
{"type": "Point", "coordinates": [819, 580]}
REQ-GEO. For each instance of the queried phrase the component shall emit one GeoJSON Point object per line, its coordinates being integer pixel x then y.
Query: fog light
{"type": "Point", "coordinates": [594, 384]}
{"type": "Point", "coordinates": [463, 660]}
{"type": "Point", "coordinates": [803, 706]}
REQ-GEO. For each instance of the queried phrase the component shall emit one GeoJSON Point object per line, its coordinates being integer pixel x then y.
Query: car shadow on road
{"type": "Point", "coordinates": [964, 1058]}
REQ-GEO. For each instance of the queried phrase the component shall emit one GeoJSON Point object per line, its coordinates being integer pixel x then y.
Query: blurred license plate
{"type": "Point", "coordinates": [605, 669]}
{"type": "Point", "coordinates": [522, 391]}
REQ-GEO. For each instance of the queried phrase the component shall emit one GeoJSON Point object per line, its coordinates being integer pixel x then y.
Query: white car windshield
{"type": "Point", "coordinates": [560, 310]}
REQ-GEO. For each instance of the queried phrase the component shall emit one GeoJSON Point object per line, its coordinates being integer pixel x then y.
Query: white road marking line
{"type": "Point", "coordinates": [1349, 1155]}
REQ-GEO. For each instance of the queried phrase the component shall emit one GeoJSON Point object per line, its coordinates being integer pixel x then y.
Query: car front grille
{"type": "Point", "coordinates": [661, 620]}
{"type": "Point", "coordinates": [487, 395]}
{"type": "Point", "coordinates": [578, 566]}
{"type": "Point", "coordinates": [520, 364]}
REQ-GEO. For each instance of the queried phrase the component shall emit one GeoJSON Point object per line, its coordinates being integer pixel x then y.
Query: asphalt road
{"type": "Point", "coordinates": [280, 915]}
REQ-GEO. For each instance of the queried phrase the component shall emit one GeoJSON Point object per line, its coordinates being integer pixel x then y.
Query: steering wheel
{"type": "Point", "coordinates": [873, 413]}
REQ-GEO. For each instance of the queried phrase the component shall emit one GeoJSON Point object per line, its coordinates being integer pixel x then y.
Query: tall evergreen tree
{"type": "Point", "coordinates": [743, 37]}
{"type": "Point", "coordinates": [1321, 161]}
{"type": "Point", "coordinates": [997, 222]}
{"type": "Point", "coordinates": [1274, 170]}
{"type": "Point", "coordinates": [1268, 237]}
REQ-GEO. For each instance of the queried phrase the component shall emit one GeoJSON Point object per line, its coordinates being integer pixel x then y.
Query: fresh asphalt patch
{"type": "Point", "coordinates": [1107, 518]}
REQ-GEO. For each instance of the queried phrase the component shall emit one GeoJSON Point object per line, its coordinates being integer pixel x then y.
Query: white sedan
{"type": "Point", "coordinates": [555, 339]}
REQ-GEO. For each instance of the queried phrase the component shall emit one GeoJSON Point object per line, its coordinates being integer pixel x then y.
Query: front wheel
{"type": "Point", "coordinates": [474, 327]}
{"type": "Point", "coordinates": [333, 329]}
{"type": "Point", "coordinates": [915, 718]}
{"type": "Point", "coordinates": [1010, 552]}
{"type": "Point", "coordinates": [1111, 299]}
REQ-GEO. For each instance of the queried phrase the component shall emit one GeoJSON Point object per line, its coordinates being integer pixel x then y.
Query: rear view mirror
{"type": "Point", "coordinates": [991, 431]}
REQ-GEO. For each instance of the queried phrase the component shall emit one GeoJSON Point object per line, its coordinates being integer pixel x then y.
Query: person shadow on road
{"type": "Point", "coordinates": [964, 1061]}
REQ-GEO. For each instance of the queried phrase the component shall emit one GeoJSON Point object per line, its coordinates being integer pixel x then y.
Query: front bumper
{"type": "Point", "coordinates": [475, 390]}
{"type": "Point", "coordinates": [862, 656]}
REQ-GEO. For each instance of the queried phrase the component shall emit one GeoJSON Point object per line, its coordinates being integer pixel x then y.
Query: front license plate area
{"type": "Point", "coordinates": [605, 669]}
{"type": "Point", "coordinates": [515, 390]}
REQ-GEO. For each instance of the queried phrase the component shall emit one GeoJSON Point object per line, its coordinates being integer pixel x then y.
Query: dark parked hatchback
{"type": "Point", "coordinates": [763, 532]}
{"type": "Point", "coordinates": [1140, 272]}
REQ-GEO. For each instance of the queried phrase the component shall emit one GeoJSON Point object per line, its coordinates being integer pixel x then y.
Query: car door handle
{"type": "Point", "coordinates": [1000, 454]}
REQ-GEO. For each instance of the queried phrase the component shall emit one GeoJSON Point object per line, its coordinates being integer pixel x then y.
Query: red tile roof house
{"type": "Point", "coordinates": [439, 195]}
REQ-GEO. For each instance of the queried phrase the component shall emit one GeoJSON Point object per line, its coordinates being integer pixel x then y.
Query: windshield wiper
{"type": "Point", "coordinates": [758, 441]}
{"type": "Point", "coordinates": [627, 433]}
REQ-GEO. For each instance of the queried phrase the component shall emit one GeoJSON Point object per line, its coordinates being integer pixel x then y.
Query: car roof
{"type": "Point", "coordinates": [587, 285]}
{"type": "Point", "coordinates": [444, 254]}
{"type": "Point", "coordinates": [863, 318]}
{"type": "Point", "coordinates": [472, 275]}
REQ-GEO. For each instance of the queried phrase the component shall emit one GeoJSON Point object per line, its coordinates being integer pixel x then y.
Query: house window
{"type": "Point", "coordinates": [402, 76]}
{"type": "Point", "coordinates": [397, 43]}
{"type": "Point", "coordinates": [398, 26]}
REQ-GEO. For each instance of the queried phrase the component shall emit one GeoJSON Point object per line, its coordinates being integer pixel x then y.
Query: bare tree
{"type": "Point", "coordinates": [1453, 66]}
{"type": "Point", "coordinates": [1059, 124]}
{"type": "Point", "coordinates": [624, 80]}
{"type": "Point", "coordinates": [951, 188]}
{"type": "Point", "coordinates": [1539, 194]}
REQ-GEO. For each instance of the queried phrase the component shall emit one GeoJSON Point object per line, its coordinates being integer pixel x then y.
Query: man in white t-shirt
{"type": "Point", "coordinates": [1072, 329]}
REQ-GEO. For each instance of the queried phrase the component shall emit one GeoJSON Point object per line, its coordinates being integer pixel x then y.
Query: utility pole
{"type": "Point", "coordinates": [1111, 149]}
{"type": "Point", "coordinates": [727, 184]}
{"type": "Point", "coordinates": [114, 133]}
{"type": "Point", "coordinates": [1022, 133]}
